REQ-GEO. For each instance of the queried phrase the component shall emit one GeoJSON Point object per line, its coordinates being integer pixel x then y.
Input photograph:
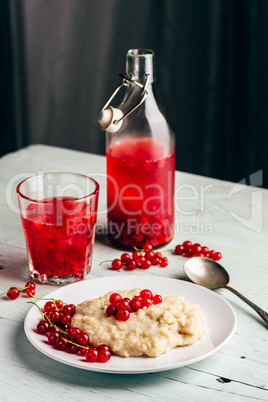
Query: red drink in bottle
{"type": "Point", "coordinates": [140, 189]}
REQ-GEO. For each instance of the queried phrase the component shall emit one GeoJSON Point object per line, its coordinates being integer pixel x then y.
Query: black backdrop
{"type": "Point", "coordinates": [62, 59]}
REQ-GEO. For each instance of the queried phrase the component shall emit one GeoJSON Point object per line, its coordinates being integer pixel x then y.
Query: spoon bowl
{"type": "Point", "coordinates": [210, 274]}
{"type": "Point", "coordinates": [206, 272]}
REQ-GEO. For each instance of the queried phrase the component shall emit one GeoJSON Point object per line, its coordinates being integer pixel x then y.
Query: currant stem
{"type": "Point", "coordinates": [54, 325]}
{"type": "Point", "coordinates": [138, 249]}
{"type": "Point", "coordinates": [76, 344]}
{"type": "Point", "coordinates": [42, 315]}
{"type": "Point", "coordinates": [105, 261]}
{"type": "Point", "coordinates": [5, 293]}
{"type": "Point", "coordinates": [54, 300]}
{"type": "Point", "coordinates": [26, 287]}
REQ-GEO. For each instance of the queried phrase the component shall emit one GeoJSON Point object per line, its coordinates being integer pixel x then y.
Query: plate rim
{"type": "Point", "coordinates": [102, 368]}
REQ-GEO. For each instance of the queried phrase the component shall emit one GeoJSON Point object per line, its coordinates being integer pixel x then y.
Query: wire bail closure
{"type": "Point", "coordinates": [111, 119]}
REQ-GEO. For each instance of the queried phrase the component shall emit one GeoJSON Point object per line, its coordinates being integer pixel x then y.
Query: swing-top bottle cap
{"type": "Point", "coordinates": [139, 72]}
{"type": "Point", "coordinates": [109, 119]}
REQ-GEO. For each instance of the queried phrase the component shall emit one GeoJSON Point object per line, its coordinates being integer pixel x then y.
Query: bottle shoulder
{"type": "Point", "coordinates": [149, 120]}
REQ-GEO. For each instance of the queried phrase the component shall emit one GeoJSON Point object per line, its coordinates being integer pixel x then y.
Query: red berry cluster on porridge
{"type": "Point", "coordinates": [121, 308]}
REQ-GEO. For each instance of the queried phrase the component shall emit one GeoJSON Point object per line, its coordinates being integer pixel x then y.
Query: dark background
{"type": "Point", "coordinates": [61, 60]}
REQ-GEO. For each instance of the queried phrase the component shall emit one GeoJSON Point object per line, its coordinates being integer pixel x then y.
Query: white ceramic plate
{"type": "Point", "coordinates": [219, 315]}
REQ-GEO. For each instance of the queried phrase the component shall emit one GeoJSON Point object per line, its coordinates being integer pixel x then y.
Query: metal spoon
{"type": "Point", "coordinates": [210, 274]}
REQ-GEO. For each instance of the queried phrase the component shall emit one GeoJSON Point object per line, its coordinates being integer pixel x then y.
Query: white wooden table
{"type": "Point", "coordinates": [225, 217]}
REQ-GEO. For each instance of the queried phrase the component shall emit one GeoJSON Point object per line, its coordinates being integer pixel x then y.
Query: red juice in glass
{"type": "Point", "coordinates": [140, 193]}
{"type": "Point", "coordinates": [59, 233]}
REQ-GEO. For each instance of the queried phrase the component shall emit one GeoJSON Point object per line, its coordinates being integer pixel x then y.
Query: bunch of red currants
{"type": "Point", "coordinates": [187, 249]}
{"type": "Point", "coordinates": [13, 292]}
{"type": "Point", "coordinates": [146, 257]}
{"type": "Point", "coordinates": [143, 259]}
{"type": "Point", "coordinates": [55, 324]}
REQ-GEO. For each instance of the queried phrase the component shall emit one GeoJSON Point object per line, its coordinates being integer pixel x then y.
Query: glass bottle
{"type": "Point", "coordinates": [140, 155]}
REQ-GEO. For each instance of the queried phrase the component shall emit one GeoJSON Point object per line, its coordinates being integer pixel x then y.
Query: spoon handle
{"type": "Point", "coordinates": [258, 310]}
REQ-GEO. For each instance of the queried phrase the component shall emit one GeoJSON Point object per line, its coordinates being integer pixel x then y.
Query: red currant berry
{"type": "Point", "coordinates": [157, 299]}
{"type": "Point", "coordinates": [116, 264]}
{"type": "Point", "coordinates": [61, 344]}
{"type": "Point", "coordinates": [43, 327]}
{"type": "Point", "coordinates": [155, 260]}
{"type": "Point", "coordinates": [205, 251]}
{"type": "Point", "coordinates": [149, 255]}
{"type": "Point", "coordinates": [82, 351]}
{"type": "Point", "coordinates": [53, 337]}
{"type": "Point", "coordinates": [30, 292]}
{"type": "Point", "coordinates": [72, 307]}
{"type": "Point", "coordinates": [164, 262]}
{"type": "Point", "coordinates": [125, 257]}
{"type": "Point", "coordinates": [140, 261]}
{"type": "Point", "coordinates": [127, 299]}
{"type": "Point", "coordinates": [158, 254]}
{"type": "Point", "coordinates": [92, 355]}
{"type": "Point", "coordinates": [59, 304]}
{"type": "Point", "coordinates": [217, 256]}
{"type": "Point", "coordinates": [115, 298]}
{"type": "Point", "coordinates": [179, 249]}
{"type": "Point", "coordinates": [137, 298]}
{"type": "Point", "coordinates": [64, 327]}
{"type": "Point", "coordinates": [122, 315]}
{"type": "Point", "coordinates": [30, 285]}
{"type": "Point", "coordinates": [146, 293]}
{"type": "Point", "coordinates": [65, 318]}
{"type": "Point", "coordinates": [136, 255]}
{"type": "Point", "coordinates": [187, 244]}
{"type": "Point", "coordinates": [211, 254]}
{"type": "Point", "coordinates": [74, 332]}
{"type": "Point", "coordinates": [73, 348]}
{"type": "Point", "coordinates": [54, 316]}
{"type": "Point", "coordinates": [131, 264]}
{"type": "Point", "coordinates": [111, 310]}
{"type": "Point", "coordinates": [146, 264]}
{"type": "Point", "coordinates": [199, 255]}
{"type": "Point", "coordinates": [148, 247]}
{"type": "Point", "coordinates": [123, 305]}
{"type": "Point", "coordinates": [67, 309]}
{"type": "Point", "coordinates": [147, 302]}
{"type": "Point", "coordinates": [13, 293]}
{"type": "Point", "coordinates": [104, 356]}
{"type": "Point", "coordinates": [103, 347]}
{"type": "Point", "coordinates": [49, 306]}
{"type": "Point", "coordinates": [83, 339]}
{"type": "Point", "coordinates": [135, 305]}
{"type": "Point", "coordinates": [188, 253]}
{"type": "Point", "coordinates": [196, 248]}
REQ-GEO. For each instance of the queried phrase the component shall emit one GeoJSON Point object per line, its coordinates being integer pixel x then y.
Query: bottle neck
{"type": "Point", "coordinates": [139, 64]}
{"type": "Point", "coordinates": [134, 95]}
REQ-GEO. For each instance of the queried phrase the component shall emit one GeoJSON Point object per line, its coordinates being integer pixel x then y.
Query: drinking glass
{"type": "Point", "coordinates": [59, 213]}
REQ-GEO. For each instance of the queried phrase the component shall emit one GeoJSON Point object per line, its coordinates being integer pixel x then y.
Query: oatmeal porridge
{"type": "Point", "coordinates": [149, 331]}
